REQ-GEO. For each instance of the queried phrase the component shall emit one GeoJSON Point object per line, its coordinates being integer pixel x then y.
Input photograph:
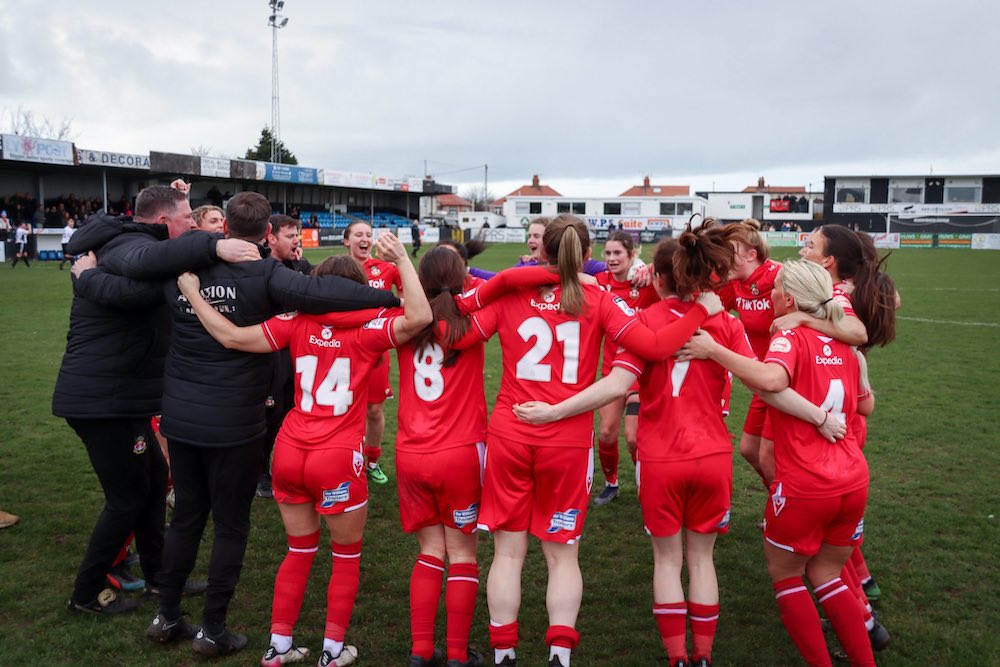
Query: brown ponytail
{"type": "Point", "coordinates": [566, 242]}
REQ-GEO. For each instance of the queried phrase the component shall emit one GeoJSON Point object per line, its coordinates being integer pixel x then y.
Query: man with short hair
{"type": "Point", "coordinates": [111, 380]}
{"type": "Point", "coordinates": [284, 242]}
{"type": "Point", "coordinates": [214, 412]}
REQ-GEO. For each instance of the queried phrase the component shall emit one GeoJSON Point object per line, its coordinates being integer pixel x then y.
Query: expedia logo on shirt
{"type": "Point", "coordinates": [319, 342]}
{"type": "Point", "coordinates": [545, 306]}
{"type": "Point", "coordinates": [338, 495]}
{"type": "Point", "coordinates": [829, 361]}
{"type": "Point", "coordinates": [377, 284]}
{"type": "Point", "coordinates": [467, 516]}
{"type": "Point", "coordinates": [563, 521]}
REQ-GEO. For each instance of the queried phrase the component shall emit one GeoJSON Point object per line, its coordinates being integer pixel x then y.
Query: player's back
{"type": "Point", "coordinates": [549, 355]}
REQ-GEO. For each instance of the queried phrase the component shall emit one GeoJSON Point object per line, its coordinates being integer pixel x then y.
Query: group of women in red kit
{"type": "Point", "coordinates": [536, 460]}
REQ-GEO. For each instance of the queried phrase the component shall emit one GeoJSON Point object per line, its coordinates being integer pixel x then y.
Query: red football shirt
{"type": "Point", "coordinates": [549, 356]}
{"type": "Point", "coordinates": [825, 372]}
{"type": "Point", "coordinates": [751, 299]}
{"type": "Point", "coordinates": [440, 406]}
{"type": "Point", "coordinates": [331, 376]}
{"type": "Point", "coordinates": [841, 296]}
{"type": "Point", "coordinates": [679, 415]}
{"type": "Point", "coordinates": [382, 275]}
{"type": "Point", "coordinates": [637, 298]}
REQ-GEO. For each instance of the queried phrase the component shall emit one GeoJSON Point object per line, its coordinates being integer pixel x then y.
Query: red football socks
{"type": "Point", "coordinates": [671, 619]}
{"type": "Point", "coordinates": [704, 618]}
{"type": "Point", "coordinates": [290, 583]}
{"type": "Point", "coordinates": [503, 636]}
{"type": "Point", "coordinates": [801, 620]}
{"type": "Point", "coordinates": [460, 602]}
{"type": "Point", "coordinates": [344, 577]}
{"type": "Point", "coordinates": [841, 606]}
{"type": "Point", "coordinates": [608, 453]}
{"type": "Point", "coordinates": [425, 594]}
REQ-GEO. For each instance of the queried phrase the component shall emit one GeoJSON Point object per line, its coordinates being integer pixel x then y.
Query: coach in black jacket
{"type": "Point", "coordinates": [214, 409]}
{"type": "Point", "coordinates": [111, 380]}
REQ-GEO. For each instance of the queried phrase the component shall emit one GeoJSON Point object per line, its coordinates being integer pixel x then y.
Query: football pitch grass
{"type": "Point", "coordinates": [932, 539]}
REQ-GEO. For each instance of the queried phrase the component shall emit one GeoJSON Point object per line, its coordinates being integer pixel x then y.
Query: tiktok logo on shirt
{"type": "Point", "coordinates": [563, 521]}
{"type": "Point", "coordinates": [338, 495]}
{"type": "Point", "coordinates": [467, 516]}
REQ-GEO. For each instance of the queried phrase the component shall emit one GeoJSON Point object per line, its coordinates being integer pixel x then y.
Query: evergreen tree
{"type": "Point", "coordinates": [262, 151]}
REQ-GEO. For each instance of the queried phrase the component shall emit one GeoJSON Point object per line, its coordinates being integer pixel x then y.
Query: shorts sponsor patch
{"type": "Point", "coordinates": [563, 521]}
{"type": "Point", "coordinates": [780, 344]}
{"type": "Point", "coordinates": [467, 516]}
{"type": "Point", "coordinates": [338, 495]}
{"type": "Point", "coordinates": [859, 530]}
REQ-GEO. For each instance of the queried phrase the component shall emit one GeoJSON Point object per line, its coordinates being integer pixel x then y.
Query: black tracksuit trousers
{"type": "Point", "coordinates": [220, 480]}
{"type": "Point", "coordinates": [133, 475]}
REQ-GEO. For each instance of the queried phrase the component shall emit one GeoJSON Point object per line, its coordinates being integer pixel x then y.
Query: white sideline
{"type": "Point", "coordinates": [967, 324]}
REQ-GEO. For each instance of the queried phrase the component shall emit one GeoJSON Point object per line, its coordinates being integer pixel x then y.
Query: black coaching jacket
{"type": "Point", "coordinates": [214, 397]}
{"type": "Point", "coordinates": [119, 328]}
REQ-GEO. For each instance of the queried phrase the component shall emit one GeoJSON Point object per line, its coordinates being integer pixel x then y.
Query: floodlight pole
{"type": "Point", "coordinates": [276, 21]}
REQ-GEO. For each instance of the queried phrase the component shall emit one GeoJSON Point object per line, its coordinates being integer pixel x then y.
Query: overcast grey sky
{"type": "Point", "coordinates": [591, 95]}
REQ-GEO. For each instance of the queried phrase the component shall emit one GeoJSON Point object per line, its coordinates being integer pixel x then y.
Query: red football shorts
{"type": "Point", "coordinates": [756, 416]}
{"type": "Point", "coordinates": [693, 494]}
{"type": "Point", "coordinates": [443, 487]}
{"type": "Point", "coordinates": [378, 382]}
{"type": "Point", "coordinates": [542, 489]}
{"type": "Point", "coordinates": [333, 478]}
{"type": "Point", "coordinates": [801, 525]}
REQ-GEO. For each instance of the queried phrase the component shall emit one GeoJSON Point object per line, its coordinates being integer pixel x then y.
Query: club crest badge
{"type": "Point", "coordinates": [777, 500]}
{"type": "Point", "coordinates": [139, 446]}
{"type": "Point", "coordinates": [358, 463]}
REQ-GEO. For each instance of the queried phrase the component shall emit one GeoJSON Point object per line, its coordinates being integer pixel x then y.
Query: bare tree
{"type": "Point", "coordinates": [201, 150]}
{"type": "Point", "coordinates": [480, 200]}
{"type": "Point", "coordinates": [25, 122]}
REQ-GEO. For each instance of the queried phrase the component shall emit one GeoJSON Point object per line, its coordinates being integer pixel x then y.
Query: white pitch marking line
{"type": "Point", "coordinates": [966, 324]}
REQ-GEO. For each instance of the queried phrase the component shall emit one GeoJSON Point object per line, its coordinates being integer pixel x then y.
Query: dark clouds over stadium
{"type": "Point", "coordinates": [592, 95]}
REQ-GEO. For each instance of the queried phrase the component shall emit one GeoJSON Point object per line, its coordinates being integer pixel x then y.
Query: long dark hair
{"type": "Point", "coordinates": [874, 296]}
{"type": "Point", "coordinates": [442, 275]}
{"type": "Point", "coordinates": [698, 258]}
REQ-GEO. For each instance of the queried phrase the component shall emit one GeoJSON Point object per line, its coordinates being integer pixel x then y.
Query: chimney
{"type": "Point", "coordinates": [760, 182]}
{"type": "Point", "coordinates": [534, 181]}
{"type": "Point", "coordinates": [645, 183]}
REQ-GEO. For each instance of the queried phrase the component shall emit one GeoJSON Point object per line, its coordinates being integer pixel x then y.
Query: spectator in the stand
{"type": "Point", "coordinates": [209, 219]}
{"type": "Point", "coordinates": [5, 226]}
{"type": "Point", "coordinates": [67, 234]}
